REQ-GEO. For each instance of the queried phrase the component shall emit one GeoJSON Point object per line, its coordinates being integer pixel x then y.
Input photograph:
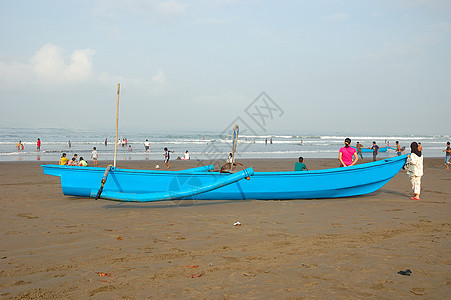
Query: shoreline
{"type": "Point", "coordinates": [55, 246]}
{"type": "Point", "coordinates": [125, 157]}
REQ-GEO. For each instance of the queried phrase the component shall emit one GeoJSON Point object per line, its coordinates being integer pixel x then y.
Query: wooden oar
{"type": "Point", "coordinates": [105, 176]}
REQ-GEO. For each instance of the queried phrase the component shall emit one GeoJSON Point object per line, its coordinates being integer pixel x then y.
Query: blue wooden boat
{"type": "Point", "coordinates": [381, 149]}
{"type": "Point", "coordinates": [203, 184]}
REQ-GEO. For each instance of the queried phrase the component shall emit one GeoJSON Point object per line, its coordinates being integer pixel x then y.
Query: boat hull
{"type": "Point", "coordinates": [381, 149]}
{"type": "Point", "coordinates": [330, 183]}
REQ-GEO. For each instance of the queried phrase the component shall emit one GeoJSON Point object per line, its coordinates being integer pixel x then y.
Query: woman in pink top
{"type": "Point", "coordinates": [346, 154]}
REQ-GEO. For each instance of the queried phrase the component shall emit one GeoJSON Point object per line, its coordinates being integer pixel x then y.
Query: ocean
{"type": "Point", "coordinates": [212, 146]}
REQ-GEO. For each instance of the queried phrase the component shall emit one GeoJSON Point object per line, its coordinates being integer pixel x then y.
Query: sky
{"type": "Point", "coordinates": [325, 67]}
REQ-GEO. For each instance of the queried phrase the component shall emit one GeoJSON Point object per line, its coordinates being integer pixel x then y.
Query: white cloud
{"type": "Point", "coordinates": [49, 63]}
{"type": "Point", "coordinates": [80, 67]}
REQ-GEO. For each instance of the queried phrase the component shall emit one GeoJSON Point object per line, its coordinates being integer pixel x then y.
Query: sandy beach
{"type": "Point", "coordinates": [54, 246]}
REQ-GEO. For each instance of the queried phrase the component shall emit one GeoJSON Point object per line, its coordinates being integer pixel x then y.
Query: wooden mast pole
{"type": "Point", "coordinates": [117, 125]}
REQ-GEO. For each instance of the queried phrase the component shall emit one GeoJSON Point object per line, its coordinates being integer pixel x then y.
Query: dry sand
{"type": "Point", "coordinates": [54, 246]}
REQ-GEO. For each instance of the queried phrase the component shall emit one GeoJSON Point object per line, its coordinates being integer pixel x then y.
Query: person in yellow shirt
{"type": "Point", "coordinates": [83, 162]}
{"type": "Point", "coordinates": [63, 159]}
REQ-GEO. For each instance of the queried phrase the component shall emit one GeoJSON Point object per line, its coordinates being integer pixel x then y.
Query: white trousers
{"type": "Point", "coordinates": [416, 184]}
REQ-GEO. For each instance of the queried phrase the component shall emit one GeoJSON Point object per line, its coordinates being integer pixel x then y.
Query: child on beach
{"type": "Point", "coordinates": [447, 155]}
{"type": "Point", "coordinates": [72, 162]}
{"type": "Point", "coordinates": [359, 150]}
{"type": "Point", "coordinates": [63, 160]}
{"type": "Point", "coordinates": [230, 164]}
{"type": "Point", "coordinates": [229, 159]}
{"type": "Point", "coordinates": [186, 156]}
{"type": "Point", "coordinates": [83, 162]}
{"type": "Point", "coordinates": [375, 150]}
{"type": "Point", "coordinates": [94, 156]}
{"type": "Point", "coordinates": [398, 149]}
{"type": "Point", "coordinates": [300, 166]}
{"type": "Point", "coordinates": [167, 157]}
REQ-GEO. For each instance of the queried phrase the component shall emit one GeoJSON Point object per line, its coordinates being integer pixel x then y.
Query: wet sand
{"type": "Point", "coordinates": [54, 246]}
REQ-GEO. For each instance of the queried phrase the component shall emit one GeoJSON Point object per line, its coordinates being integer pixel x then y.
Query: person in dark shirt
{"type": "Point", "coordinates": [167, 156]}
{"type": "Point", "coordinates": [375, 150]}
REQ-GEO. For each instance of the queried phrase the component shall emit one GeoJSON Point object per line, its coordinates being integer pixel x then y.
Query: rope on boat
{"type": "Point", "coordinates": [172, 195]}
{"type": "Point", "coordinates": [105, 175]}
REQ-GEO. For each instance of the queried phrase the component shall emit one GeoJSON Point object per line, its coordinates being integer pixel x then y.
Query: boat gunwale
{"type": "Point", "coordinates": [361, 167]}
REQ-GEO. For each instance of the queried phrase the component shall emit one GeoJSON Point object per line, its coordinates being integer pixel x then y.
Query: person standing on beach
{"type": "Point", "coordinates": [19, 145]}
{"type": "Point", "coordinates": [147, 145]}
{"type": "Point", "coordinates": [375, 150]}
{"type": "Point", "coordinates": [420, 147]}
{"type": "Point", "coordinates": [415, 169]}
{"type": "Point", "coordinates": [94, 156]}
{"type": "Point", "coordinates": [346, 154]}
{"type": "Point", "coordinates": [447, 155]}
{"type": "Point", "coordinates": [106, 142]}
{"type": "Point", "coordinates": [398, 149]}
{"type": "Point", "coordinates": [38, 145]}
{"type": "Point", "coordinates": [69, 144]}
{"type": "Point", "coordinates": [167, 157]}
{"type": "Point", "coordinates": [359, 149]}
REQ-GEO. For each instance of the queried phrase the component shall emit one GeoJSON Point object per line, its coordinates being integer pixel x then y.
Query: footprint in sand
{"type": "Point", "coordinates": [308, 266]}
{"type": "Point", "coordinates": [27, 215]}
{"type": "Point", "coordinates": [21, 282]}
{"type": "Point", "coordinates": [417, 291]}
